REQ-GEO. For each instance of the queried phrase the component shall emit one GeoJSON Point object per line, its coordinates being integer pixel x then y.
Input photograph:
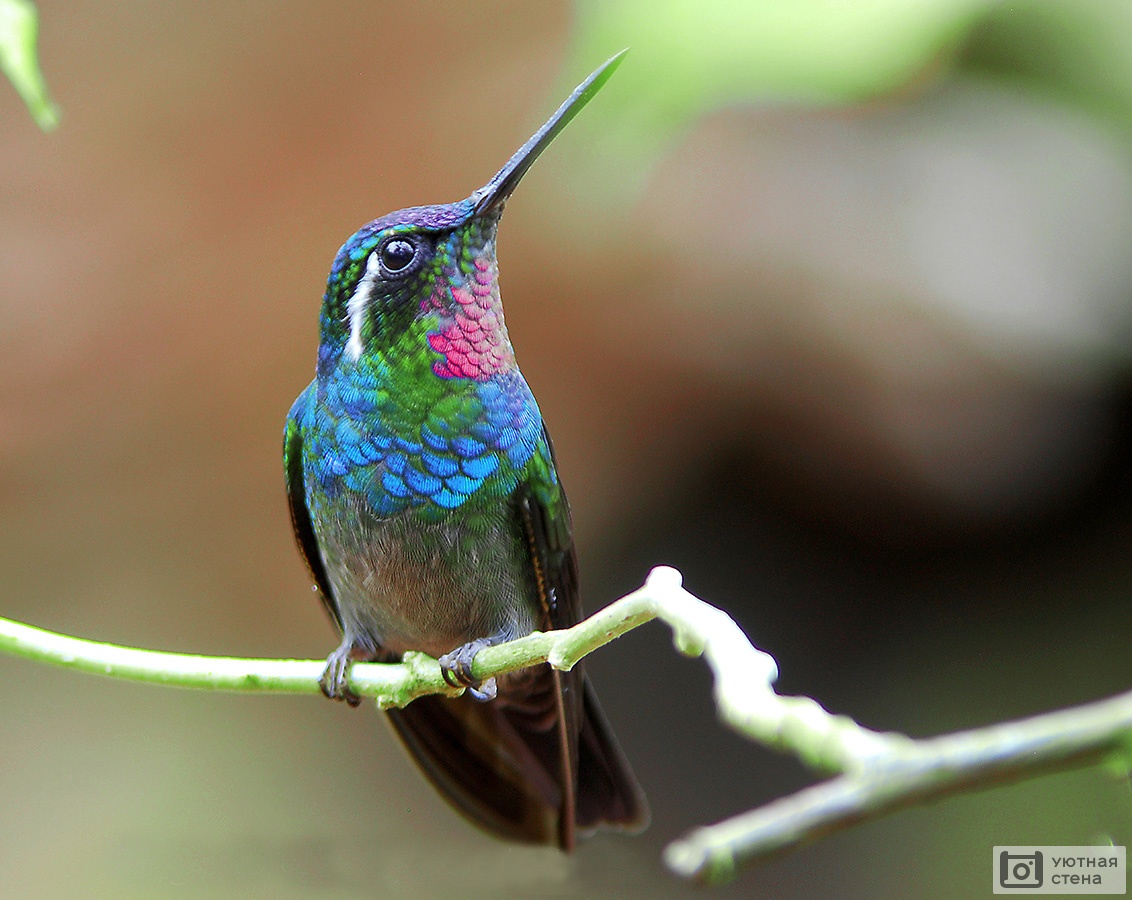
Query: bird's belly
{"type": "Point", "coordinates": [430, 586]}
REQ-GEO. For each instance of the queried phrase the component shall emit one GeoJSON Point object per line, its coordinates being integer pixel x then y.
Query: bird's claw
{"type": "Point", "coordinates": [456, 667]}
{"type": "Point", "coordinates": [334, 682]}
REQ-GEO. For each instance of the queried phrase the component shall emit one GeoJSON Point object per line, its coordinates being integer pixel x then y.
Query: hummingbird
{"type": "Point", "coordinates": [425, 499]}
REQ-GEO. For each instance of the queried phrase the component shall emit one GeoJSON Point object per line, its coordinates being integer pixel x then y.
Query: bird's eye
{"type": "Point", "coordinates": [397, 255]}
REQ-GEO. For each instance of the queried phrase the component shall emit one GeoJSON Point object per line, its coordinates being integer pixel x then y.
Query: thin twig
{"type": "Point", "coordinates": [879, 772]}
{"type": "Point", "coordinates": [912, 772]}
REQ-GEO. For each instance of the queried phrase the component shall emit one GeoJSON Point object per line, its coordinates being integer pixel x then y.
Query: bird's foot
{"type": "Point", "coordinates": [334, 680]}
{"type": "Point", "coordinates": [456, 667]}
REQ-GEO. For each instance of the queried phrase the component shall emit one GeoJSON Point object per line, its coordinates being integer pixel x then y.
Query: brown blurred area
{"type": "Point", "coordinates": [861, 374]}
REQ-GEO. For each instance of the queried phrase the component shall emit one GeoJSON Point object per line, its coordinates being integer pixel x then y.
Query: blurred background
{"type": "Point", "coordinates": [828, 305]}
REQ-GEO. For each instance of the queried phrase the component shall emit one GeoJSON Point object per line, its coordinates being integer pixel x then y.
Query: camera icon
{"type": "Point", "coordinates": [1020, 870]}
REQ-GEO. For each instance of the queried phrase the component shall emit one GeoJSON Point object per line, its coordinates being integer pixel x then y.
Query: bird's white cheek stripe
{"type": "Point", "coordinates": [356, 307]}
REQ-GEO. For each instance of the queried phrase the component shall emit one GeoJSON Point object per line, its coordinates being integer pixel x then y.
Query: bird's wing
{"type": "Point", "coordinates": [545, 516]}
{"type": "Point", "coordinates": [595, 772]}
{"type": "Point", "coordinates": [297, 501]}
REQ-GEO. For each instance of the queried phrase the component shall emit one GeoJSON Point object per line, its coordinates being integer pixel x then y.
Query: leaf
{"type": "Point", "coordinates": [19, 26]}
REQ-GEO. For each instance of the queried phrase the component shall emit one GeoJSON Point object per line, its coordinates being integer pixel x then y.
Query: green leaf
{"type": "Point", "coordinates": [19, 26]}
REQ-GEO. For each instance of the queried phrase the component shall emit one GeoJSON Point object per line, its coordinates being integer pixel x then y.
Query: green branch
{"type": "Point", "coordinates": [906, 772]}
{"type": "Point", "coordinates": [878, 772]}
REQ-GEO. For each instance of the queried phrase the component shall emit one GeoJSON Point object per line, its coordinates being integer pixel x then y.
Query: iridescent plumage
{"type": "Point", "coordinates": [425, 498]}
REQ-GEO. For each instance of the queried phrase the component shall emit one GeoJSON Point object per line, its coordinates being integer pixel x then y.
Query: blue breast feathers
{"type": "Point", "coordinates": [398, 453]}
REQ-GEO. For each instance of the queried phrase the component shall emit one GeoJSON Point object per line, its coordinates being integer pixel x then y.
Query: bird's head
{"type": "Point", "coordinates": [423, 284]}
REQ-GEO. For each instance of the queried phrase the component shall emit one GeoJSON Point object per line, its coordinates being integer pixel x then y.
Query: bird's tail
{"type": "Point", "coordinates": [530, 778]}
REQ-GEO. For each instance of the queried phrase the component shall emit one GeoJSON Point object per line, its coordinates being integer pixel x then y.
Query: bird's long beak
{"type": "Point", "coordinates": [493, 194]}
